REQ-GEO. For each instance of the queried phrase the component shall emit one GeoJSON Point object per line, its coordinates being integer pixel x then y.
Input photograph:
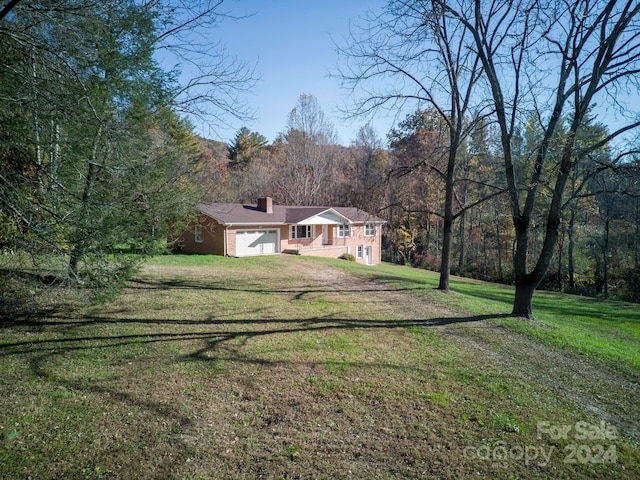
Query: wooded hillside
{"type": "Point", "coordinates": [401, 179]}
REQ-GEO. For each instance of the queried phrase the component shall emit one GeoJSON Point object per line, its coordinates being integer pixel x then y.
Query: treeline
{"type": "Point", "coordinates": [401, 179]}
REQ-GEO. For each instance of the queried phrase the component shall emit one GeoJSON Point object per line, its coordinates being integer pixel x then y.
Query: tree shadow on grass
{"type": "Point", "coordinates": [24, 309]}
{"type": "Point", "coordinates": [214, 337]}
{"type": "Point", "coordinates": [212, 342]}
{"type": "Point", "coordinates": [209, 335]}
{"type": "Point", "coordinates": [57, 344]}
{"type": "Point", "coordinates": [299, 291]}
{"type": "Point", "coordinates": [205, 341]}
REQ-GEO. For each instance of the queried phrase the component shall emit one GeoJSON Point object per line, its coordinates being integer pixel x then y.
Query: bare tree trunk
{"type": "Point", "coordinates": [78, 247]}
{"type": "Point", "coordinates": [461, 256]}
{"type": "Point", "coordinates": [77, 250]}
{"type": "Point", "coordinates": [437, 245]}
{"type": "Point", "coordinates": [445, 262]}
{"type": "Point", "coordinates": [560, 254]}
{"type": "Point", "coordinates": [36, 119]}
{"type": "Point", "coordinates": [428, 241]}
{"type": "Point", "coordinates": [523, 300]}
{"type": "Point", "coordinates": [571, 266]}
{"type": "Point", "coordinates": [485, 254]}
{"type": "Point", "coordinates": [55, 153]}
{"type": "Point", "coordinates": [525, 286]}
{"type": "Point", "coordinates": [605, 259]}
{"type": "Point", "coordinates": [526, 283]}
{"type": "Point", "coordinates": [499, 244]}
{"type": "Point", "coordinates": [447, 229]}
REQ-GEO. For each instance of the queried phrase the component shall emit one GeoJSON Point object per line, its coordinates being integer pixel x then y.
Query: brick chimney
{"type": "Point", "coordinates": [265, 204]}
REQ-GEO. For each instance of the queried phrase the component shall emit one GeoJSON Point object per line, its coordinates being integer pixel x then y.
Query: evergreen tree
{"type": "Point", "coordinates": [94, 158]}
{"type": "Point", "coordinates": [246, 146]}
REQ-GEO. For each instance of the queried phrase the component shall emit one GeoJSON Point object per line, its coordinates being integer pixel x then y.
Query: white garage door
{"type": "Point", "coordinates": [256, 242]}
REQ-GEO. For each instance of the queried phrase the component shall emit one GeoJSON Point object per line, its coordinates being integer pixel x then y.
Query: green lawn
{"type": "Point", "coordinates": [606, 330]}
{"type": "Point", "coordinates": [294, 367]}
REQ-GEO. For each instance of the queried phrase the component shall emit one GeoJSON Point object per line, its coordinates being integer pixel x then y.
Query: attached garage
{"type": "Point", "coordinates": [256, 242]}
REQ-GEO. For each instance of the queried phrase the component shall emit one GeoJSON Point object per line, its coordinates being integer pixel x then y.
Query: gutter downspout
{"type": "Point", "coordinates": [226, 240]}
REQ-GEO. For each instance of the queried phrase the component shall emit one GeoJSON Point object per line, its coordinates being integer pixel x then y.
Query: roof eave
{"type": "Point", "coordinates": [328, 210]}
{"type": "Point", "coordinates": [248, 224]}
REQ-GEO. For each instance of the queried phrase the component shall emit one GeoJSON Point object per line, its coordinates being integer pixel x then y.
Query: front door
{"type": "Point", "coordinates": [325, 234]}
{"type": "Point", "coordinates": [367, 255]}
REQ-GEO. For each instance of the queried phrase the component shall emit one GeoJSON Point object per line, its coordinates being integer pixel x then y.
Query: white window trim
{"type": "Point", "coordinates": [197, 233]}
{"type": "Point", "coordinates": [294, 229]}
{"type": "Point", "coordinates": [341, 230]}
{"type": "Point", "coordinates": [372, 226]}
{"type": "Point", "coordinates": [360, 251]}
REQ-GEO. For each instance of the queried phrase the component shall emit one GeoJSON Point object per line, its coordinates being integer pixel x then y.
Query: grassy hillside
{"type": "Point", "coordinates": [293, 367]}
{"type": "Point", "coordinates": [607, 330]}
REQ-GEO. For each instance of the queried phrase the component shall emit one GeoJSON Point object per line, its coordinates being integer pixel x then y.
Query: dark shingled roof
{"type": "Point", "coordinates": [236, 213]}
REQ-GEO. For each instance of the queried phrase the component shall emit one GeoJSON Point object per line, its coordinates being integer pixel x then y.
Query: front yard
{"type": "Point", "coordinates": [294, 367]}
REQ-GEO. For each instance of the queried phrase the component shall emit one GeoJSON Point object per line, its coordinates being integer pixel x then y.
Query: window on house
{"type": "Point", "coordinates": [300, 231]}
{"type": "Point", "coordinates": [197, 233]}
{"type": "Point", "coordinates": [344, 231]}
{"type": "Point", "coordinates": [359, 251]}
{"type": "Point", "coordinates": [369, 230]}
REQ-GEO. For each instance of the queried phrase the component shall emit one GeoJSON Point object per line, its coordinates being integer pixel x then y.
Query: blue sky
{"type": "Point", "coordinates": [292, 43]}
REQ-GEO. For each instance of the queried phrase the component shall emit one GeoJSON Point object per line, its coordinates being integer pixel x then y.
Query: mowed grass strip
{"type": "Point", "coordinates": [281, 367]}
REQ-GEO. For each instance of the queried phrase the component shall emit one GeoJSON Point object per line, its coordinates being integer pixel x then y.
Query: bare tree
{"type": "Point", "coordinates": [210, 81]}
{"type": "Point", "coordinates": [550, 59]}
{"type": "Point", "coordinates": [425, 52]}
{"type": "Point", "coordinates": [366, 170]}
{"type": "Point", "coordinates": [308, 155]}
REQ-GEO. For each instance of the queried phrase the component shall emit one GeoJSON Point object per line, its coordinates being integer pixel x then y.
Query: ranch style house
{"type": "Point", "coordinates": [239, 230]}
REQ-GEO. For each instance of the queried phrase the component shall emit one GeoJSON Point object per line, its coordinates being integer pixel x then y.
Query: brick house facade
{"type": "Point", "coordinates": [239, 230]}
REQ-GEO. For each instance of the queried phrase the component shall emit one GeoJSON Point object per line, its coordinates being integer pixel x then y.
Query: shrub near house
{"type": "Point", "coordinates": [242, 230]}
